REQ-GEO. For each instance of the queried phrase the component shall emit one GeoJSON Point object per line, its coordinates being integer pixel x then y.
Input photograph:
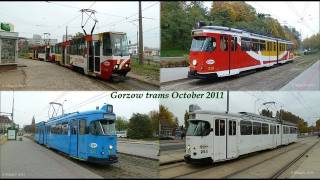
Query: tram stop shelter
{"type": "Point", "coordinates": [8, 50]}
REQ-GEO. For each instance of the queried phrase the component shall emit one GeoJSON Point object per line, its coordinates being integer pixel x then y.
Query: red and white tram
{"type": "Point", "coordinates": [218, 51]}
{"type": "Point", "coordinates": [215, 137]}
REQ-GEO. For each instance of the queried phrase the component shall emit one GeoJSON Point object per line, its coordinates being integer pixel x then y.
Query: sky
{"type": "Point", "coordinates": [36, 103]}
{"type": "Point", "coordinates": [304, 16]}
{"type": "Point", "coordinates": [305, 104]}
{"type": "Point", "coordinates": [52, 17]}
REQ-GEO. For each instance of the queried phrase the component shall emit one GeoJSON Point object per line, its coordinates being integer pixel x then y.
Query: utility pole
{"type": "Point", "coordinates": [140, 36]}
{"type": "Point", "coordinates": [66, 33]}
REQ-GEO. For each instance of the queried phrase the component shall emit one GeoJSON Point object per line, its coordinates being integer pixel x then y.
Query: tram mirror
{"type": "Point", "coordinates": [129, 42]}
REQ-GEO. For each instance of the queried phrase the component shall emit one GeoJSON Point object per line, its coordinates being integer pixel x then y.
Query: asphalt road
{"type": "Point", "coordinates": [172, 146]}
{"type": "Point", "coordinates": [39, 75]}
{"type": "Point", "coordinates": [26, 159]}
{"type": "Point", "coordinates": [141, 149]}
{"type": "Point", "coordinates": [264, 79]}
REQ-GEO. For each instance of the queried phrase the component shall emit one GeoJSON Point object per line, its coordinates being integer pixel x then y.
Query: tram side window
{"type": "Point", "coordinates": [64, 127]}
{"type": "Point", "coordinates": [274, 46]}
{"type": "Point", "coordinates": [255, 45]}
{"type": "Point", "coordinates": [256, 128]}
{"type": "Point", "coordinates": [74, 127]}
{"type": "Point", "coordinates": [224, 43]}
{"type": "Point", "coordinates": [107, 49]}
{"type": "Point", "coordinates": [82, 127]}
{"type": "Point", "coordinates": [245, 44]}
{"type": "Point", "coordinates": [265, 128]}
{"type": "Point", "coordinates": [232, 128]}
{"type": "Point", "coordinates": [262, 45]}
{"type": "Point", "coordinates": [210, 44]}
{"type": "Point", "coordinates": [245, 127]}
{"type": "Point", "coordinates": [220, 127]}
{"type": "Point", "coordinates": [234, 43]}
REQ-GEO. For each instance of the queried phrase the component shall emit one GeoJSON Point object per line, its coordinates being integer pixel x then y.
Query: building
{"type": "Point", "coordinates": [8, 49]}
{"type": "Point", "coordinates": [64, 37]}
{"type": "Point", "coordinates": [133, 49]}
{"type": "Point", "coordinates": [5, 122]}
{"type": "Point", "coordinates": [37, 40]}
{"type": "Point", "coordinates": [151, 52]}
{"type": "Point", "coordinates": [165, 129]}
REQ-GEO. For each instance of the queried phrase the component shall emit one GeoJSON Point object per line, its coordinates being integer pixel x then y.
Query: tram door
{"type": "Point", "coordinates": [228, 46]}
{"type": "Point", "coordinates": [232, 139]}
{"type": "Point", "coordinates": [74, 131]}
{"type": "Point", "coordinates": [219, 142]}
{"type": "Point", "coordinates": [96, 55]}
{"type": "Point", "coordinates": [90, 61]}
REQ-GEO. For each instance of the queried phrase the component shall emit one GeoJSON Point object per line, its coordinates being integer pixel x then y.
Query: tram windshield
{"type": "Point", "coordinates": [202, 43]}
{"type": "Point", "coordinates": [198, 128]}
{"type": "Point", "coordinates": [120, 45]}
{"type": "Point", "coordinates": [103, 127]}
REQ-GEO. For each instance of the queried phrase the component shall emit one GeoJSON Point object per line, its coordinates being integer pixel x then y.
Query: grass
{"type": "Point", "coordinates": [150, 69]}
{"type": "Point", "coordinates": [173, 53]}
{"type": "Point", "coordinates": [175, 63]}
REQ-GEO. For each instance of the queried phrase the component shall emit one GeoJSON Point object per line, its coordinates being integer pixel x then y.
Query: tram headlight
{"type": "Point", "coordinates": [116, 66]}
{"type": "Point", "coordinates": [126, 65]}
{"type": "Point", "coordinates": [194, 62]}
{"type": "Point", "coordinates": [188, 148]}
{"type": "Point", "coordinates": [110, 146]}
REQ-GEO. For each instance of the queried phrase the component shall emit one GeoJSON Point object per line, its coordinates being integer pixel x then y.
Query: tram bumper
{"type": "Point", "coordinates": [193, 74]}
{"type": "Point", "coordinates": [112, 159]}
{"type": "Point", "coordinates": [189, 160]}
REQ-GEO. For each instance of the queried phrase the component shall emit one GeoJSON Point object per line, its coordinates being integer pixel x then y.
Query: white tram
{"type": "Point", "coordinates": [214, 136]}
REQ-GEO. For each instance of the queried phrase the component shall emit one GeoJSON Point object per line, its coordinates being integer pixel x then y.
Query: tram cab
{"type": "Point", "coordinates": [211, 137]}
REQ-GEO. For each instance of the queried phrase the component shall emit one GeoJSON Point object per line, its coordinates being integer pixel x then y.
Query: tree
{"type": "Point", "coordinates": [121, 124]}
{"type": "Point", "coordinates": [154, 116]}
{"type": "Point", "coordinates": [139, 126]}
{"type": "Point", "coordinates": [266, 112]}
{"type": "Point", "coordinates": [165, 116]}
{"type": "Point", "coordinates": [186, 117]}
{"type": "Point", "coordinates": [318, 124]}
{"type": "Point", "coordinates": [78, 35]}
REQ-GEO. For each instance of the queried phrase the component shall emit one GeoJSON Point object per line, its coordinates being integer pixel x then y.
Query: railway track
{"type": "Point", "coordinates": [233, 168]}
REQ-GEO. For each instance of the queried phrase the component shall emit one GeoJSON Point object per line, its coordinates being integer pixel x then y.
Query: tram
{"type": "Point", "coordinates": [218, 51]}
{"type": "Point", "coordinates": [103, 55]}
{"type": "Point", "coordinates": [87, 136]}
{"type": "Point", "coordinates": [214, 136]}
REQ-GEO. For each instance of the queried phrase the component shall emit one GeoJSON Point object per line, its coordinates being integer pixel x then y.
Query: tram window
{"type": "Point", "coordinates": [232, 128]}
{"type": "Point", "coordinates": [274, 46]}
{"type": "Point", "coordinates": [245, 44]}
{"type": "Point", "coordinates": [224, 43]}
{"type": "Point", "coordinates": [245, 127]}
{"type": "Point", "coordinates": [217, 129]}
{"type": "Point", "coordinates": [256, 128]}
{"type": "Point", "coordinates": [65, 128]}
{"type": "Point", "coordinates": [234, 43]}
{"type": "Point", "coordinates": [198, 128]}
{"type": "Point", "coordinates": [265, 128]}
{"type": "Point", "coordinates": [107, 49]}
{"type": "Point", "coordinates": [210, 44]}
{"type": "Point", "coordinates": [82, 127]}
{"type": "Point", "coordinates": [96, 45]}
{"type": "Point", "coordinates": [255, 45]}
{"type": "Point", "coordinates": [262, 45]}
{"type": "Point", "coordinates": [74, 127]}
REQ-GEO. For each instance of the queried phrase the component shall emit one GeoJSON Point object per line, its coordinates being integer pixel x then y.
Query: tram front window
{"type": "Point", "coordinates": [201, 43]}
{"type": "Point", "coordinates": [120, 45]}
{"type": "Point", "coordinates": [198, 128]}
{"type": "Point", "coordinates": [103, 127]}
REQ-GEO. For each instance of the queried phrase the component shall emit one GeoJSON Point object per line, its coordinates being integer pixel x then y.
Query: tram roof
{"type": "Point", "coordinates": [239, 31]}
{"type": "Point", "coordinates": [244, 114]}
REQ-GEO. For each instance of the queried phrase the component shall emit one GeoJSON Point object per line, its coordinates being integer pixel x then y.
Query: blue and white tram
{"type": "Point", "coordinates": [88, 136]}
{"type": "Point", "coordinates": [215, 137]}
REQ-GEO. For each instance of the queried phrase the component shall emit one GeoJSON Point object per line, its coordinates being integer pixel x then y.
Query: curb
{"type": "Point", "coordinates": [133, 155]}
{"type": "Point", "coordinates": [143, 80]}
{"type": "Point", "coordinates": [176, 80]}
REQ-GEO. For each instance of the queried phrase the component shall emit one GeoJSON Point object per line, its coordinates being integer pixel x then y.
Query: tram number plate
{"type": "Point", "coordinates": [203, 151]}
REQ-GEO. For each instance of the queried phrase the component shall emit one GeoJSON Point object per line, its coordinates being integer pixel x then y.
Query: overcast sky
{"type": "Point", "coordinates": [29, 103]}
{"type": "Point", "coordinates": [302, 103]}
{"type": "Point", "coordinates": [303, 16]}
{"type": "Point", "coordinates": [39, 17]}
